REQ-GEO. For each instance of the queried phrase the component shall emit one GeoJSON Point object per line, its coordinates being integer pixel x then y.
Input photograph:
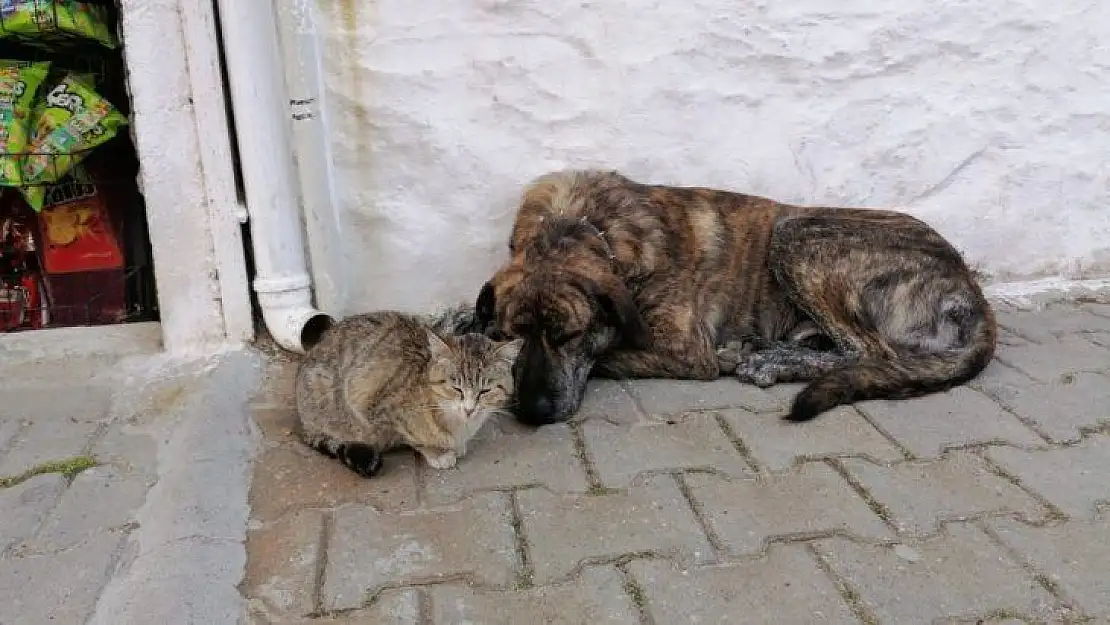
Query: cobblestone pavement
{"type": "Point", "coordinates": [677, 502]}
{"type": "Point", "coordinates": [98, 519]}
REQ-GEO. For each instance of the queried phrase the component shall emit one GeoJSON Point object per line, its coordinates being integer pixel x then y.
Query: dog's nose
{"type": "Point", "coordinates": [539, 411]}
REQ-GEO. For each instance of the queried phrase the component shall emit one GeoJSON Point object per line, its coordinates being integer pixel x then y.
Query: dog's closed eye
{"type": "Point", "coordinates": [562, 338]}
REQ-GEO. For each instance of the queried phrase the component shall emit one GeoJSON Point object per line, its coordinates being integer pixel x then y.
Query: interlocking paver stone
{"type": "Point", "coordinates": [25, 506]}
{"type": "Point", "coordinates": [47, 439]}
{"type": "Point", "coordinates": [785, 586]}
{"type": "Point", "coordinates": [295, 477]}
{"type": "Point", "coordinates": [77, 403]}
{"type": "Point", "coordinates": [1074, 555]}
{"type": "Point", "coordinates": [664, 398]}
{"type": "Point", "coordinates": [369, 549]}
{"type": "Point", "coordinates": [63, 586]}
{"type": "Point", "coordinates": [10, 427]}
{"type": "Point", "coordinates": [919, 495]}
{"type": "Point", "coordinates": [1061, 408]}
{"type": "Point", "coordinates": [998, 376]}
{"type": "Point", "coordinates": [812, 499]}
{"type": "Point", "coordinates": [1073, 478]}
{"type": "Point", "coordinates": [960, 573]}
{"type": "Point", "coordinates": [544, 456]}
{"type": "Point", "coordinates": [563, 531]}
{"type": "Point", "coordinates": [962, 416]}
{"type": "Point", "coordinates": [392, 607]}
{"type": "Point", "coordinates": [776, 445]}
{"type": "Point", "coordinates": [281, 571]}
{"type": "Point", "coordinates": [1052, 323]}
{"type": "Point", "coordinates": [1049, 361]}
{"type": "Point", "coordinates": [101, 499]}
{"type": "Point", "coordinates": [608, 399]}
{"type": "Point", "coordinates": [596, 596]}
{"type": "Point", "coordinates": [691, 441]}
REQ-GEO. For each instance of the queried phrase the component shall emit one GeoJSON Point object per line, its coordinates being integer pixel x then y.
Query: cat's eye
{"type": "Point", "coordinates": [483, 392]}
{"type": "Point", "coordinates": [457, 390]}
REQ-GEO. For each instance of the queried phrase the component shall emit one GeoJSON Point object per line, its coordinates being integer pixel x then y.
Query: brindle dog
{"type": "Point", "coordinates": [627, 280]}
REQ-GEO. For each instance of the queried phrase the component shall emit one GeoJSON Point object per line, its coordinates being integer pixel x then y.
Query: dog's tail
{"type": "Point", "coordinates": [911, 375]}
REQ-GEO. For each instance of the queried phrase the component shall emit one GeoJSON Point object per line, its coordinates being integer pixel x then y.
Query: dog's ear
{"type": "Point", "coordinates": [485, 308]}
{"type": "Point", "coordinates": [617, 304]}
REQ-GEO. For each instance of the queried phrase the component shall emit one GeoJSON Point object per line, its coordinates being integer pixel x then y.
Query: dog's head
{"type": "Point", "coordinates": [568, 315]}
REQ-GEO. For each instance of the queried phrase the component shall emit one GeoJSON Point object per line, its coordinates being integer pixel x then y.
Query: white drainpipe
{"type": "Point", "coordinates": [260, 107]}
{"type": "Point", "coordinates": [303, 64]}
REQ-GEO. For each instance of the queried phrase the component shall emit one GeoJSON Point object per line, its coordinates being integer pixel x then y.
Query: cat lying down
{"type": "Point", "coordinates": [384, 380]}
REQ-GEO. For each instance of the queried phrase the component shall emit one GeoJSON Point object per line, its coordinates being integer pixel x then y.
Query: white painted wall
{"type": "Point", "coordinates": [989, 119]}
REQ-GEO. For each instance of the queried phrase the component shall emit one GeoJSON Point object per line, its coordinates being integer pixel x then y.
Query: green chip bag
{"type": "Point", "coordinates": [39, 19]}
{"type": "Point", "coordinates": [70, 120]}
{"type": "Point", "coordinates": [19, 83]}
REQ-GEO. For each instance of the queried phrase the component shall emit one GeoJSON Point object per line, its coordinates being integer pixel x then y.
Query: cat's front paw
{"type": "Point", "coordinates": [444, 460]}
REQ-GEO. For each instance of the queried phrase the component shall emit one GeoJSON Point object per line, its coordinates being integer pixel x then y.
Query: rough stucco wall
{"type": "Point", "coordinates": [991, 120]}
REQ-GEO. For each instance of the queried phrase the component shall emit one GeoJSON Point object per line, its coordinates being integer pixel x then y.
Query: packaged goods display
{"type": "Point", "coordinates": [73, 243]}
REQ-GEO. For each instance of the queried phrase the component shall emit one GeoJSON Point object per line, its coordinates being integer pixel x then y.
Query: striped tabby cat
{"type": "Point", "coordinates": [386, 379]}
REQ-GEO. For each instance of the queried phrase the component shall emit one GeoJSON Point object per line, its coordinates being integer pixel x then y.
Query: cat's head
{"type": "Point", "coordinates": [471, 375]}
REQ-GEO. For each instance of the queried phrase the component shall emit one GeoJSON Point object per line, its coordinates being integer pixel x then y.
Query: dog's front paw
{"type": "Point", "coordinates": [444, 460]}
{"type": "Point", "coordinates": [732, 354]}
{"type": "Point", "coordinates": [758, 369]}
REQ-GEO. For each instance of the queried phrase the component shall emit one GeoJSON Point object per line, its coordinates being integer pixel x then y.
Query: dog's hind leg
{"type": "Point", "coordinates": [892, 294]}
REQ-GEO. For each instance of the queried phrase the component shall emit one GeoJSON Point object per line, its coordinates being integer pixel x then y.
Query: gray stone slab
{"type": "Point", "coordinates": [25, 506]}
{"type": "Point", "coordinates": [692, 441]}
{"type": "Point", "coordinates": [784, 586]}
{"type": "Point", "coordinates": [47, 439]}
{"type": "Point", "coordinates": [369, 549]}
{"type": "Point", "coordinates": [960, 417]}
{"type": "Point", "coordinates": [959, 574]}
{"type": "Point", "coordinates": [810, 500]}
{"type": "Point", "coordinates": [565, 531]}
{"type": "Point", "coordinates": [281, 570]}
{"type": "Point", "coordinates": [595, 596]}
{"type": "Point", "coordinates": [1072, 478]}
{"type": "Point", "coordinates": [608, 400]}
{"type": "Point", "coordinates": [919, 495]}
{"type": "Point", "coordinates": [101, 499]}
{"type": "Point", "coordinates": [60, 588]}
{"type": "Point", "coordinates": [1074, 555]}
{"type": "Point", "coordinates": [776, 445]}
{"type": "Point", "coordinates": [664, 398]}
{"type": "Point", "coordinates": [1052, 323]}
{"type": "Point", "coordinates": [495, 460]}
{"type": "Point", "coordinates": [1063, 408]}
{"type": "Point", "coordinates": [1050, 361]}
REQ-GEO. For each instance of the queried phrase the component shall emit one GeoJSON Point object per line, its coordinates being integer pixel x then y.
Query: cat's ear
{"type": "Point", "coordinates": [437, 347]}
{"type": "Point", "coordinates": [509, 350]}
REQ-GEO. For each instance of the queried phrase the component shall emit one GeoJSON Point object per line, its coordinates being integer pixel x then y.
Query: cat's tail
{"type": "Point", "coordinates": [358, 457]}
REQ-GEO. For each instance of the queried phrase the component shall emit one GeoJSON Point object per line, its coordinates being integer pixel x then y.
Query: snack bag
{"type": "Point", "coordinates": [35, 19]}
{"type": "Point", "coordinates": [70, 120]}
{"type": "Point", "coordinates": [19, 83]}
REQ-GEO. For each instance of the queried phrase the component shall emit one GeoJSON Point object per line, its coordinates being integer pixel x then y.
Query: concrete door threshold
{"type": "Point", "coordinates": [126, 339]}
